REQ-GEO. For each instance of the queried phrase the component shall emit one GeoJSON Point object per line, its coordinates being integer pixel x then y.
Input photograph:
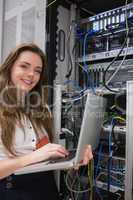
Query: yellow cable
{"type": "Point", "coordinates": [120, 118]}
{"type": "Point", "coordinates": [51, 3]}
{"type": "Point", "coordinates": [90, 177]}
{"type": "Point", "coordinates": [80, 66]}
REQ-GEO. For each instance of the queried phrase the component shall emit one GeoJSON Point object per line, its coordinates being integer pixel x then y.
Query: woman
{"type": "Point", "coordinates": [26, 126]}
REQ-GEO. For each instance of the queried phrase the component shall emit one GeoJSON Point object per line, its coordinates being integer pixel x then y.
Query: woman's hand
{"type": "Point", "coordinates": [52, 150]}
{"type": "Point", "coordinates": [87, 156]}
{"type": "Point", "coordinates": [49, 151]}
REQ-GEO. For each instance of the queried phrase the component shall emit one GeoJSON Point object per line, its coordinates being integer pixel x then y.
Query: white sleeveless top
{"type": "Point", "coordinates": [24, 141]}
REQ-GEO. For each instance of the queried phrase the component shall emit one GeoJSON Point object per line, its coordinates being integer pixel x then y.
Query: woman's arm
{"type": "Point", "coordinates": [10, 165]}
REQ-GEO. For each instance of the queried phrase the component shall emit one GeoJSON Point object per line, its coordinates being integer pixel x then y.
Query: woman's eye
{"type": "Point", "coordinates": [38, 71]}
{"type": "Point", "coordinates": [24, 66]}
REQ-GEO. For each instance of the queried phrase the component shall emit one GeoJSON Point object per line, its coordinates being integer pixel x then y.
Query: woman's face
{"type": "Point", "coordinates": [26, 71]}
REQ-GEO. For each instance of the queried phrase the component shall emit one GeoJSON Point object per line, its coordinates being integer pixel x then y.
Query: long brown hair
{"type": "Point", "coordinates": [9, 115]}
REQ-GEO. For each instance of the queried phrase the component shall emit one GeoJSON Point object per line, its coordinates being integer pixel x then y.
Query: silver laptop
{"type": "Point", "coordinates": [89, 134]}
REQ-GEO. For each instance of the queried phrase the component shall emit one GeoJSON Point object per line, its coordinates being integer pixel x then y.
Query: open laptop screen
{"type": "Point", "coordinates": [91, 122]}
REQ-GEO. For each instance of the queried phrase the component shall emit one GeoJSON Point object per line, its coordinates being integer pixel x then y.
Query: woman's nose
{"type": "Point", "coordinates": [30, 73]}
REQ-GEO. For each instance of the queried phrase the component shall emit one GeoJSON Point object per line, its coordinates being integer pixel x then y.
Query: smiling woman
{"type": "Point", "coordinates": [24, 123]}
{"type": "Point", "coordinates": [26, 71]}
{"type": "Point", "coordinates": [22, 76]}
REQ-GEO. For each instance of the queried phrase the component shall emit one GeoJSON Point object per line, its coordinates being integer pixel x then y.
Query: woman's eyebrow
{"type": "Point", "coordinates": [25, 62]}
{"type": "Point", "coordinates": [30, 64]}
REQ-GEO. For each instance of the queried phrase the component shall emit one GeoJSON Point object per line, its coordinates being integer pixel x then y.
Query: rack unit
{"type": "Point", "coordinates": [100, 39]}
{"type": "Point", "coordinates": [129, 139]}
{"type": "Point", "coordinates": [104, 34]}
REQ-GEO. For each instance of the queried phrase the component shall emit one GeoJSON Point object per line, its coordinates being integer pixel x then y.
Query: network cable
{"type": "Point", "coordinates": [124, 43]}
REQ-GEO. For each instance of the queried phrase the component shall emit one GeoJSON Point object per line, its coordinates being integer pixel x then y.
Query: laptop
{"type": "Point", "coordinates": [89, 134]}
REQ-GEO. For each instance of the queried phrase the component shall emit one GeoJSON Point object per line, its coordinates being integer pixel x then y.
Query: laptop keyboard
{"type": "Point", "coordinates": [70, 156]}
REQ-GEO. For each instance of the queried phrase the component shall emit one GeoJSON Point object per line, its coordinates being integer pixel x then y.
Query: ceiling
{"type": "Point", "coordinates": [97, 6]}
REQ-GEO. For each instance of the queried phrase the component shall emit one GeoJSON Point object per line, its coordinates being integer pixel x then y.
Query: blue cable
{"type": "Point", "coordinates": [75, 84]}
{"type": "Point", "coordinates": [89, 78]}
{"type": "Point", "coordinates": [110, 153]}
{"type": "Point", "coordinates": [99, 158]}
{"type": "Point", "coordinates": [97, 168]}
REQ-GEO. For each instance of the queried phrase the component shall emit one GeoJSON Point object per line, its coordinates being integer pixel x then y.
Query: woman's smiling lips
{"type": "Point", "coordinates": [28, 82]}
